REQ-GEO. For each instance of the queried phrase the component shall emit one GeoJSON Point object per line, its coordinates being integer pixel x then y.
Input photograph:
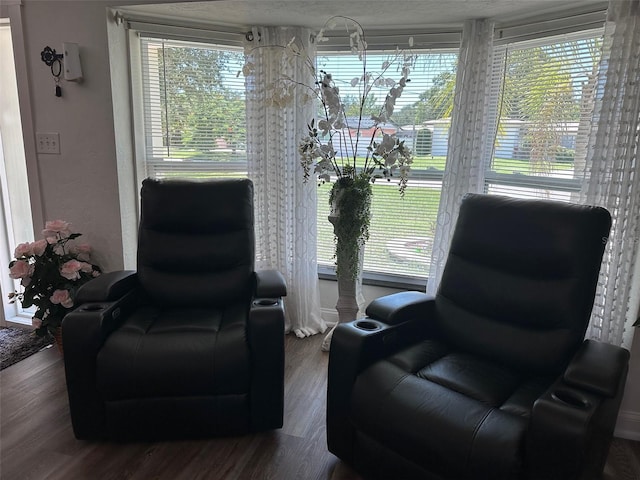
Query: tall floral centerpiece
{"type": "Point", "coordinates": [332, 152]}
{"type": "Point", "coordinates": [335, 150]}
{"type": "Point", "coordinates": [50, 271]}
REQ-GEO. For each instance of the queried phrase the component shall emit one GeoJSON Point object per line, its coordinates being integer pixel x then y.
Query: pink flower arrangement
{"type": "Point", "coordinates": [62, 297]}
{"type": "Point", "coordinates": [50, 271]}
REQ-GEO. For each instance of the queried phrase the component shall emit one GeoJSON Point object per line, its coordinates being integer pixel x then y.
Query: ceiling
{"type": "Point", "coordinates": [396, 14]}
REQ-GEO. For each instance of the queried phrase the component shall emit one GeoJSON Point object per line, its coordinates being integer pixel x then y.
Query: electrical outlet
{"type": "Point", "coordinates": [48, 143]}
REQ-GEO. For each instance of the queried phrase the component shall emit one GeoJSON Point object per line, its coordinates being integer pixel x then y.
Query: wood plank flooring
{"type": "Point", "coordinates": [37, 443]}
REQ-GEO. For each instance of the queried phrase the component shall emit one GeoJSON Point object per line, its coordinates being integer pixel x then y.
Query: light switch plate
{"type": "Point", "coordinates": [48, 143]}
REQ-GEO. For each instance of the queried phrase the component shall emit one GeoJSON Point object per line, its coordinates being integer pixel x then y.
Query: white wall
{"type": "Point", "coordinates": [81, 184]}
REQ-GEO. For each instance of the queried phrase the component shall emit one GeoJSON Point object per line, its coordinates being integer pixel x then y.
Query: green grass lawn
{"type": "Point", "coordinates": [393, 217]}
{"type": "Point", "coordinates": [423, 163]}
{"type": "Point", "coordinates": [500, 165]}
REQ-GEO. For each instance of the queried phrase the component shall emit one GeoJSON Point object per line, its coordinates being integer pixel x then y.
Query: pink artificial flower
{"type": "Point", "coordinates": [82, 250]}
{"type": "Point", "coordinates": [55, 229]}
{"type": "Point", "coordinates": [36, 322]}
{"type": "Point", "coordinates": [39, 247]}
{"type": "Point", "coordinates": [62, 297]}
{"type": "Point", "coordinates": [20, 269]}
{"type": "Point", "coordinates": [71, 269]}
{"type": "Point", "coordinates": [86, 267]}
{"type": "Point", "coordinates": [58, 226]}
{"type": "Point", "coordinates": [23, 250]}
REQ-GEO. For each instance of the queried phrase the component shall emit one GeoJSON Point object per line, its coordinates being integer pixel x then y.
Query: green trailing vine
{"type": "Point", "coordinates": [352, 197]}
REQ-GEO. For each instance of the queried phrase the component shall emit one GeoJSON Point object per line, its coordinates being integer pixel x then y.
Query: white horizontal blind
{"type": "Point", "coordinates": [193, 109]}
{"type": "Point", "coordinates": [402, 229]}
{"type": "Point", "coordinates": [590, 18]}
{"type": "Point", "coordinates": [544, 93]}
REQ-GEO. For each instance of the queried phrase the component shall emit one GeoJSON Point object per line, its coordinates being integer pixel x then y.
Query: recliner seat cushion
{"type": "Point", "coordinates": [182, 352]}
{"type": "Point", "coordinates": [478, 407]}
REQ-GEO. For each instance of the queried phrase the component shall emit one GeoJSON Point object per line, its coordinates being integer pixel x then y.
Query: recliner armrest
{"type": "Point", "coordinates": [265, 336]}
{"type": "Point", "coordinates": [107, 287]}
{"type": "Point", "coordinates": [597, 368]}
{"type": "Point", "coordinates": [95, 319]}
{"type": "Point", "coordinates": [84, 330]}
{"type": "Point", "coordinates": [571, 424]}
{"type": "Point", "coordinates": [270, 284]}
{"type": "Point", "coordinates": [354, 346]}
{"type": "Point", "coordinates": [401, 307]}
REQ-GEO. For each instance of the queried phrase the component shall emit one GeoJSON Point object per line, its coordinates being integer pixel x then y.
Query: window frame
{"type": "Point", "coordinates": [145, 161]}
{"type": "Point", "coordinates": [519, 41]}
{"type": "Point", "coordinates": [19, 184]}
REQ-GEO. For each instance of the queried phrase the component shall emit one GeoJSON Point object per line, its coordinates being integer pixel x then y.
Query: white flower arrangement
{"type": "Point", "coordinates": [386, 155]}
{"type": "Point", "coordinates": [332, 146]}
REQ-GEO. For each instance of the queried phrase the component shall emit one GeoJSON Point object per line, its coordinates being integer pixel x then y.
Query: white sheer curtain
{"type": "Point", "coordinates": [285, 206]}
{"type": "Point", "coordinates": [613, 175]}
{"type": "Point", "coordinates": [468, 137]}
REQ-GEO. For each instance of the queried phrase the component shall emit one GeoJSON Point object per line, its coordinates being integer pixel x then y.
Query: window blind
{"type": "Point", "coordinates": [544, 92]}
{"type": "Point", "coordinates": [193, 108]}
{"type": "Point", "coordinates": [541, 91]}
{"type": "Point", "coordinates": [591, 17]}
{"type": "Point", "coordinates": [402, 229]}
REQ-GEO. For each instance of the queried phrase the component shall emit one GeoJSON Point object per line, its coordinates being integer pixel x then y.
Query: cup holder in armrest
{"type": "Point", "coordinates": [92, 307]}
{"type": "Point", "coordinates": [570, 398]}
{"type": "Point", "coordinates": [367, 325]}
{"type": "Point", "coordinates": [265, 302]}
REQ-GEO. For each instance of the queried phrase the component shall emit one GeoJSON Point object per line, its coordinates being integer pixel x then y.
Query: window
{"type": "Point", "coordinates": [193, 118]}
{"type": "Point", "coordinates": [193, 109]}
{"type": "Point", "coordinates": [15, 214]}
{"type": "Point", "coordinates": [402, 229]}
{"type": "Point", "coordinates": [545, 103]}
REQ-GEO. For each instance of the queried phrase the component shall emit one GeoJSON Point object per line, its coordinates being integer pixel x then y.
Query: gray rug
{"type": "Point", "coordinates": [18, 343]}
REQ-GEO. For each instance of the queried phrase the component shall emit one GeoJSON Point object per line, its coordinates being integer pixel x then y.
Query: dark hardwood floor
{"type": "Point", "coordinates": [37, 443]}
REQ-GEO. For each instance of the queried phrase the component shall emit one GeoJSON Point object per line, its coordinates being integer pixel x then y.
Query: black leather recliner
{"type": "Point", "coordinates": [492, 378]}
{"type": "Point", "coordinates": [192, 343]}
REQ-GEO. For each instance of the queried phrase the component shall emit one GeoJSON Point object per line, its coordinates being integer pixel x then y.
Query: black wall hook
{"type": "Point", "coordinates": [53, 61]}
{"type": "Point", "coordinates": [49, 56]}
